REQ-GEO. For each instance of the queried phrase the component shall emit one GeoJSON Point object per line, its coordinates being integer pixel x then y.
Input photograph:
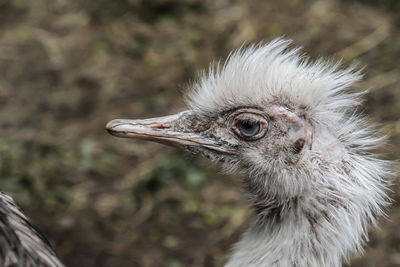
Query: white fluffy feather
{"type": "Point", "coordinates": [274, 72]}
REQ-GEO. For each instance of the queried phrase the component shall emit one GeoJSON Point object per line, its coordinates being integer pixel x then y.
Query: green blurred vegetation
{"type": "Point", "coordinates": [68, 67]}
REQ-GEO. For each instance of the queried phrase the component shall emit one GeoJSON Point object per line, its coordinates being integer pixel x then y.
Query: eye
{"type": "Point", "coordinates": [248, 128]}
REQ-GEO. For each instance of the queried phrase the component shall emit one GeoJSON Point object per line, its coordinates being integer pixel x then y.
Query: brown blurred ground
{"type": "Point", "coordinates": [67, 67]}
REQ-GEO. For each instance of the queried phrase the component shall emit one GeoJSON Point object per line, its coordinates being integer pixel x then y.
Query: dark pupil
{"type": "Point", "coordinates": [249, 128]}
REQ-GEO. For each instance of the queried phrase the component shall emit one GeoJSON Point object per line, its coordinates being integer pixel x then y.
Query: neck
{"type": "Point", "coordinates": [315, 228]}
{"type": "Point", "coordinates": [291, 235]}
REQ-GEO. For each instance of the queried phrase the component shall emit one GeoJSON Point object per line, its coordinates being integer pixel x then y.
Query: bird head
{"type": "Point", "coordinates": [271, 112]}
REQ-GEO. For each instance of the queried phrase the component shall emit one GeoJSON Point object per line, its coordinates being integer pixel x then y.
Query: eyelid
{"type": "Point", "coordinates": [248, 114]}
{"type": "Point", "coordinates": [262, 126]}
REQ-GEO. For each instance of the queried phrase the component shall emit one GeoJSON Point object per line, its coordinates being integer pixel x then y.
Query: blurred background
{"type": "Point", "coordinates": [69, 66]}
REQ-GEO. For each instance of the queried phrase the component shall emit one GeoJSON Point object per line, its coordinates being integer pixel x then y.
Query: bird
{"type": "Point", "coordinates": [292, 126]}
{"type": "Point", "coordinates": [22, 243]}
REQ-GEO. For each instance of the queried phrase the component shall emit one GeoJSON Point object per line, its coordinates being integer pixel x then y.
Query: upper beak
{"type": "Point", "coordinates": [171, 130]}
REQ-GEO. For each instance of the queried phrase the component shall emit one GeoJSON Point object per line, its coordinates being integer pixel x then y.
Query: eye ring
{"type": "Point", "coordinates": [249, 127]}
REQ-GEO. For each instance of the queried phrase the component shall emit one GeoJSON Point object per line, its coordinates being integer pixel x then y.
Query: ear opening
{"type": "Point", "coordinates": [298, 145]}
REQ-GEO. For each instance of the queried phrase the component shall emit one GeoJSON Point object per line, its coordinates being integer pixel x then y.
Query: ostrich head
{"type": "Point", "coordinates": [289, 124]}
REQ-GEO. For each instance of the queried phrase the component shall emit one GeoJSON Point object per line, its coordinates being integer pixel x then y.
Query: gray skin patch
{"type": "Point", "coordinates": [285, 133]}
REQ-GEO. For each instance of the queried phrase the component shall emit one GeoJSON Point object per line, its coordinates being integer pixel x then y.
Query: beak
{"type": "Point", "coordinates": [174, 130]}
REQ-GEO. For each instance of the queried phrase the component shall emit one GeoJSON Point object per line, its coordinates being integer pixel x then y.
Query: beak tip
{"type": "Point", "coordinates": [110, 125]}
{"type": "Point", "coordinates": [114, 123]}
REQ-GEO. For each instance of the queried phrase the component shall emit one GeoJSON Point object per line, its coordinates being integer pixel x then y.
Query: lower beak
{"type": "Point", "coordinates": [170, 130]}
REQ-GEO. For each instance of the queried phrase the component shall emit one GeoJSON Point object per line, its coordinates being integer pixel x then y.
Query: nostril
{"type": "Point", "coordinates": [160, 127]}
